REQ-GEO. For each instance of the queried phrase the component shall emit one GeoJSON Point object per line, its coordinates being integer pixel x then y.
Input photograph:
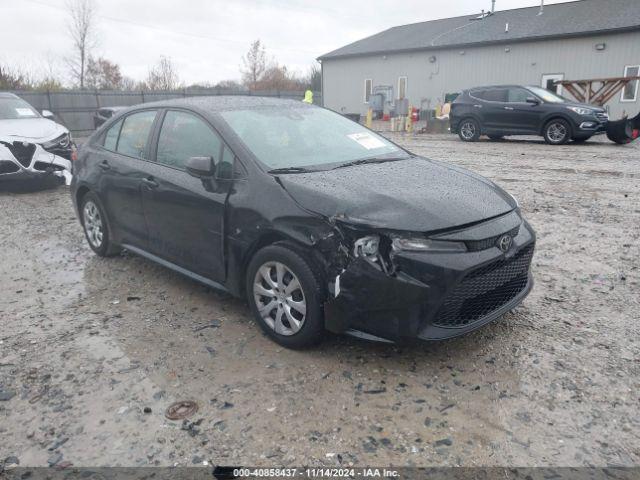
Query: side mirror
{"type": "Point", "coordinates": [533, 100]}
{"type": "Point", "coordinates": [201, 167]}
{"type": "Point", "coordinates": [48, 114]}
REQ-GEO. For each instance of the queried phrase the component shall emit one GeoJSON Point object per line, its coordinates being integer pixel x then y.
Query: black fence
{"type": "Point", "coordinates": [75, 108]}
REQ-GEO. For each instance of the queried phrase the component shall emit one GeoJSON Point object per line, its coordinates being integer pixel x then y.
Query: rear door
{"type": "Point", "coordinates": [184, 214]}
{"type": "Point", "coordinates": [121, 161]}
{"type": "Point", "coordinates": [494, 101]}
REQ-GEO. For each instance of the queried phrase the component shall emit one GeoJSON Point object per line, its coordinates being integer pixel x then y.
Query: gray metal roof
{"type": "Point", "coordinates": [575, 18]}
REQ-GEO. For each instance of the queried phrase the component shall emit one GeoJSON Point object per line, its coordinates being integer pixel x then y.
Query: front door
{"type": "Point", "coordinates": [522, 116]}
{"type": "Point", "coordinates": [548, 80]}
{"type": "Point", "coordinates": [184, 214]}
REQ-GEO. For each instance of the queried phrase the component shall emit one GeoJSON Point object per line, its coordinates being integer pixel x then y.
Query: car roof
{"type": "Point", "coordinates": [499, 86]}
{"type": "Point", "coordinates": [220, 103]}
{"type": "Point", "coordinates": [8, 95]}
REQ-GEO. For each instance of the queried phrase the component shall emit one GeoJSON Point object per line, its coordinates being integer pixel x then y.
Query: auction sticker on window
{"type": "Point", "coordinates": [25, 112]}
{"type": "Point", "coordinates": [367, 140]}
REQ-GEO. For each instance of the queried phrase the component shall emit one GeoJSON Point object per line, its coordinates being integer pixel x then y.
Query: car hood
{"type": "Point", "coordinates": [595, 108]}
{"type": "Point", "coordinates": [31, 129]}
{"type": "Point", "coordinates": [416, 194]}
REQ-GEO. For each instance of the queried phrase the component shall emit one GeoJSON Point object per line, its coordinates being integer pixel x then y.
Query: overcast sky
{"type": "Point", "coordinates": [207, 38]}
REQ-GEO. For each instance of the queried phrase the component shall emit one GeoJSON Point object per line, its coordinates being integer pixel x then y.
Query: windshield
{"type": "Point", "coordinates": [15, 108]}
{"type": "Point", "coordinates": [290, 138]}
{"type": "Point", "coordinates": [547, 95]}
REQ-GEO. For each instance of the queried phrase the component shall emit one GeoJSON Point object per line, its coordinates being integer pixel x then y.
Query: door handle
{"type": "Point", "coordinates": [150, 183]}
{"type": "Point", "coordinates": [104, 165]}
{"type": "Point", "coordinates": [477, 106]}
{"type": "Point", "coordinates": [508, 108]}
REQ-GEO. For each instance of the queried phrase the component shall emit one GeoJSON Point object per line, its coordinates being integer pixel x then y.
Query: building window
{"type": "Point", "coordinates": [402, 87]}
{"type": "Point", "coordinates": [630, 91]}
{"type": "Point", "coordinates": [367, 90]}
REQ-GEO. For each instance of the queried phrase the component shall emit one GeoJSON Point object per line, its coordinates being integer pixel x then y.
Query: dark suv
{"type": "Point", "coordinates": [515, 110]}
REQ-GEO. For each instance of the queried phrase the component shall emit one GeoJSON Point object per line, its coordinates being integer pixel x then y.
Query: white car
{"type": "Point", "coordinates": [32, 146]}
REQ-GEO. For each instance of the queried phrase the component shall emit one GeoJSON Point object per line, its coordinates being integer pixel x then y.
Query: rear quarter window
{"type": "Point", "coordinates": [134, 134]}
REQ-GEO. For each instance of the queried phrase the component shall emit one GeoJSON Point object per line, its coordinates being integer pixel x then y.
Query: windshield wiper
{"type": "Point", "coordinates": [290, 170]}
{"type": "Point", "coordinates": [364, 161]}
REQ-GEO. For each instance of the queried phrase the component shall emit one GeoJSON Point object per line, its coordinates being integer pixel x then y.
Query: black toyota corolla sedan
{"type": "Point", "coordinates": [320, 223]}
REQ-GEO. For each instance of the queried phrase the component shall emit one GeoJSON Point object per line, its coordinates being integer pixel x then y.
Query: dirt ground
{"type": "Point", "coordinates": [92, 351]}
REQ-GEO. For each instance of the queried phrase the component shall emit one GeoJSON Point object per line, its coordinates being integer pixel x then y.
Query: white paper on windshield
{"type": "Point", "coordinates": [367, 140]}
{"type": "Point", "coordinates": [25, 112]}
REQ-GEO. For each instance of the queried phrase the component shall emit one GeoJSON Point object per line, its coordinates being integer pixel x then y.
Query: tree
{"type": "Point", "coordinates": [12, 78]}
{"type": "Point", "coordinates": [103, 74]}
{"type": "Point", "coordinates": [163, 76]}
{"type": "Point", "coordinates": [230, 85]}
{"type": "Point", "coordinates": [314, 78]}
{"type": "Point", "coordinates": [254, 65]}
{"type": "Point", "coordinates": [82, 29]}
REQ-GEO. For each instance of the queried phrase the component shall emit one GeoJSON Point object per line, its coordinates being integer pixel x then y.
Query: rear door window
{"type": "Point", "coordinates": [111, 137]}
{"type": "Point", "coordinates": [495, 95]}
{"type": "Point", "coordinates": [134, 134]}
{"type": "Point", "coordinates": [184, 135]}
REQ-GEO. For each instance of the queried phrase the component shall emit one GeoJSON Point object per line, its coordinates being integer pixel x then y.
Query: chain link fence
{"type": "Point", "coordinates": [75, 108]}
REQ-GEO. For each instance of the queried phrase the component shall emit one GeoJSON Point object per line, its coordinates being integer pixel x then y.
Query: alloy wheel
{"type": "Point", "coordinates": [468, 130]}
{"type": "Point", "coordinates": [279, 298]}
{"type": "Point", "coordinates": [557, 132]}
{"type": "Point", "coordinates": [93, 224]}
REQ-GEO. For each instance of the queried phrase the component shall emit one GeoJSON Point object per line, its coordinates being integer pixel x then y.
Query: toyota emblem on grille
{"type": "Point", "coordinates": [505, 243]}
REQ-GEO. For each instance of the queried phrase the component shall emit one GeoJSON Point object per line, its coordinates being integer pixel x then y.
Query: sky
{"type": "Point", "coordinates": [206, 39]}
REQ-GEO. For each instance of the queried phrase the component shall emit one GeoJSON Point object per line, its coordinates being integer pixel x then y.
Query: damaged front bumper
{"type": "Point", "coordinates": [431, 296]}
{"type": "Point", "coordinates": [26, 161]}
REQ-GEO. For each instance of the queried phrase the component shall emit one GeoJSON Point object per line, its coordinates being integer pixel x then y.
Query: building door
{"type": "Point", "coordinates": [549, 78]}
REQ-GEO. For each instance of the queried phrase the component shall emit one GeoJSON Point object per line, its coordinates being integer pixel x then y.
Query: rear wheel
{"type": "Point", "coordinates": [557, 132]}
{"type": "Point", "coordinates": [469, 130]}
{"type": "Point", "coordinates": [286, 295]}
{"type": "Point", "coordinates": [96, 228]}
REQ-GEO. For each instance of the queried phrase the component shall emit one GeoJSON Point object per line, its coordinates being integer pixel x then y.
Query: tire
{"type": "Point", "coordinates": [291, 326]}
{"type": "Point", "coordinates": [495, 138]}
{"type": "Point", "coordinates": [95, 226]}
{"type": "Point", "coordinates": [469, 130]}
{"type": "Point", "coordinates": [557, 132]}
{"type": "Point", "coordinates": [581, 139]}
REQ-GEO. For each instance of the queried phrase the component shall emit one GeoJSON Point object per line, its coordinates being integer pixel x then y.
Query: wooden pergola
{"type": "Point", "coordinates": [596, 91]}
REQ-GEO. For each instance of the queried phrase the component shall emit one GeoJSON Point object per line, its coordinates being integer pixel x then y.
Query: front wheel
{"type": "Point", "coordinates": [286, 295]}
{"type": "Point", "coordinates": [469, 130]}
{"type": "Point", "coordinates": [557, 132]}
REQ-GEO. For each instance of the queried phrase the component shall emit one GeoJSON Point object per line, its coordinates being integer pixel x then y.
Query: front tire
{"type": "Point", "coordinates": [96, 228]}
{"type": "Point", "coordinates": [285, 292]}
{"type": "Point", "coordinates": [557, 132]}
{"type": "Point", "coordinates": [469, 130]}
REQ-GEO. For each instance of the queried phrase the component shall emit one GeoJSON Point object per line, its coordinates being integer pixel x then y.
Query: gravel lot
{"type": "Point", "coordinates": [87, 344]}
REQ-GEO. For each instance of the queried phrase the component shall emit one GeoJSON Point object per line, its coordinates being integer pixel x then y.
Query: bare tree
{"type": "Point", "coordinates": [82, 29]}
{"type": "Point", "coordinates": [163, 76]}
{"type": "Point", "coordinates": [103, 74]}
{"type": "Point", "coordinates": [314, 78]}
{"type": "Point", "coordinates": [254, 65]}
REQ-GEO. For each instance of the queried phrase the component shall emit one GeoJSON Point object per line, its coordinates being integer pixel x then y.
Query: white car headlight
{"type": "Point", "coordinates": [417, 244]}
{"type": "Point", "coordinates": [581, 110]}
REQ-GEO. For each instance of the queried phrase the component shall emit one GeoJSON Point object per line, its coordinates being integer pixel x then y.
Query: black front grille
{"type": "Point", "coordinates": [603, 117]}
{"type": "Point", "coordinates": [485, 290]}
{"type": "Point", "coordinates": [8, 167]}
{"type": "Point", "coordinates": [22, 152]}
{"type": "Point", "coordinates": [478, 245]}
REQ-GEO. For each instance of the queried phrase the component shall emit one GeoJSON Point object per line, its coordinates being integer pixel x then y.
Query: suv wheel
{"type": "Point", "coordinates": [286, 295]}
{"type": "Point", "coordinates": [96, 229]}
{"type": "Point", "coordinates": [557, 132]}
{"type": "Point", "coordinates": [469, 130]}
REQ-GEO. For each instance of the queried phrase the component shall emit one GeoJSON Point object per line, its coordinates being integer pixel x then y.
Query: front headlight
{"type": "Point", "coordinates": [417, 244]}
{"type": "Point", "coordinates": [581, 110]}
{"type": "Point", "coordinates": [62, 141]}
